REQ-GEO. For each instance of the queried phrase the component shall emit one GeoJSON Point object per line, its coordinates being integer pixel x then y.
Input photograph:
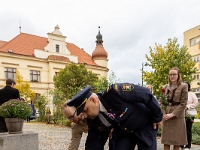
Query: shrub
{"type": "Point", "coordinates": [15, 109]}
{"type": "Point", "coordinates": [196, 133]}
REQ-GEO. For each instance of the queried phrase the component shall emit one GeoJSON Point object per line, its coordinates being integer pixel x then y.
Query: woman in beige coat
{"type": "Point", "coordinates": [173, 124]}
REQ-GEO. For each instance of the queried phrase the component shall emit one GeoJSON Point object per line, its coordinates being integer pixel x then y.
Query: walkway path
{"type": "Point", "coordinates": [58, 138]}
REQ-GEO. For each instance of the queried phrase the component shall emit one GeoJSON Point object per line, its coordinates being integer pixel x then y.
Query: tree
{"type": "Point", "coordinates": [112, 78]}
{"type": "Point", "coordinates": [73, 78]}
{"type": "Point", "coordinates": [161, 59]}
{"type": "Point", "coordinates": [24, 88]}
{"type": "Point", "coordinates": [42, 102]}
{"type": "Point", "coordinates": [100, 84]}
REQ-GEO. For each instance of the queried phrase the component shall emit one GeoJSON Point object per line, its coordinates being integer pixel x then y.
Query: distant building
{"type": "Point", "coordinates": [38, 59]}
{"type": "Point", "coordinates": [191, 40]}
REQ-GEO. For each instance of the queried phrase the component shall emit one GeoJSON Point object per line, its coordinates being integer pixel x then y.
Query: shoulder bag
{"type": "Point", "coordinates": [192, 112]}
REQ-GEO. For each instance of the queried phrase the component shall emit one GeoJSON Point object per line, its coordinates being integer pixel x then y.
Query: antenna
{"type": "Point", "coordinates": [19, 26]}
{"type": "Point", "coordinates": [99, 28]}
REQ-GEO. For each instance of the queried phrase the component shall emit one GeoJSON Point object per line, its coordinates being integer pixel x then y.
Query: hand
{"type": "Point", "coordinates": [167, 116]}
{"type": "Point", "coordinates": [110, 134]}
{"type": "Point", "coordinates": [157, 124]}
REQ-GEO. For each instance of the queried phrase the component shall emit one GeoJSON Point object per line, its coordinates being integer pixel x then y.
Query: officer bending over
{"type": "Point", "coordinates": [131, 110]}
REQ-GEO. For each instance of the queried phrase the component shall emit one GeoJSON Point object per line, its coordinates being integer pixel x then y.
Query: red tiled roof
{"type": "Point", "coordinates": [2, 43]}
{"type": "Point", "coordinates": [25, 44]}
{"type": "Point", "coordinates": [60, 58]}
{"type": "Point", "coordinates": [83, 57]}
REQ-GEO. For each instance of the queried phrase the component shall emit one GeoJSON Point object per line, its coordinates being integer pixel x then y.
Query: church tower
{"type": "Point", "coordinates": [99, 55]}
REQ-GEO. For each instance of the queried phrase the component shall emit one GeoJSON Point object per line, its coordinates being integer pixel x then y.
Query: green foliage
{"type": "Point", "coordinates": [196, 133]}
{"type": "Point", "coordinates": [42, 105]}
{"type": "Point", "coordinates": [198, 111]}
{"type": "Point", "coordinates": [58, 100]}
{"type": "Point", "coordinates": [198, 107]}
{"type": "Point", "coordinates": [66, 123]}
{"type": "Point", "coordinates": [100, 84]}
{"type": "Point", "coordinates": [15, 109]}
{"type": "Point", "coordinates": [196, 139]}
{"type": "Point", "coordinates": [73, 78]}
{"type": "Point", "coordinates": [112, 78]}
{"type": "Point", "coordinates": [159, 132]}
{"type": "Point", "coordinates": [162, 59]}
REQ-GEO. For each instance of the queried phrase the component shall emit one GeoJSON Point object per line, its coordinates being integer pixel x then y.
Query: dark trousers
{"type": "Point", "coordinates": [189, 131]}
{"type": "Point", "coordinates": [111, 144]}
{"type": "Point", "coordinates": [97, 139]}
{"type": "Point", "coordinates": [128, 141]}
{"type": "Point", "coordinates": [3, 127]}
{"type": "Point", "coordinates": [189, 123]}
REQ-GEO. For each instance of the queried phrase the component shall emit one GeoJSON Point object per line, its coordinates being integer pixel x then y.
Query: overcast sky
{"type": "Point", "coordinates": [128, 27]}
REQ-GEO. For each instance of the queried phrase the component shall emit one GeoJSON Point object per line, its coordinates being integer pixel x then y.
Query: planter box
{"type": "Point", "coordinates": [24, 141]}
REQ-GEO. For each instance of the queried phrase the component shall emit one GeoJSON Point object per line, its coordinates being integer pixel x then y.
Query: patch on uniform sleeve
{"type": "Point", "coordinates": [106, 91]}
{"type": "Point", "coordinates": [116, 87]}
{"type": "Point", "coordinates": [127, 87]}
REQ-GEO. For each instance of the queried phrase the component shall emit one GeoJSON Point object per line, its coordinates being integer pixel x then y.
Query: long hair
{"type": "Point", "coordinates": [179, 80]}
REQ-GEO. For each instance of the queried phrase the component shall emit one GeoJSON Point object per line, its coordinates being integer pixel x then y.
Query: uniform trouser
{"type": "Point", "coordinates": [128, 141]}
{"type": "Point", "coordinates": [3, 127]}
{"type": "Point", "coordinates": [77, 132]}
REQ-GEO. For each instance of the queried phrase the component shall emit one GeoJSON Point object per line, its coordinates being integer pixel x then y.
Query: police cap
{"type": "Point", "coordinates": [79, 100]}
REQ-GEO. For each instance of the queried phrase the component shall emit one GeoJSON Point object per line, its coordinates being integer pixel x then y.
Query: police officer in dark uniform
{"type": "Point", "coordinates": [131, 110]}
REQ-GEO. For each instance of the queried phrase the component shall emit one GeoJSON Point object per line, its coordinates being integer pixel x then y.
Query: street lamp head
{"type": "Point", "coordinates": [144, 64]}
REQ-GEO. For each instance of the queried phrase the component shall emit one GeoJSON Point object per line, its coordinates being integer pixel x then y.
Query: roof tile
{"type": "Point", "coordinates": [25, 44]}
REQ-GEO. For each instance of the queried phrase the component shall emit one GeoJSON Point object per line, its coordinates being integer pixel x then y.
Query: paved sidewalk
{"type": "Point", "coordinates": [53, 137]}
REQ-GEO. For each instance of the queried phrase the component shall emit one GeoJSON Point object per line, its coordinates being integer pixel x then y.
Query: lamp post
{"type": "Point", "coordinates": [143, 64]}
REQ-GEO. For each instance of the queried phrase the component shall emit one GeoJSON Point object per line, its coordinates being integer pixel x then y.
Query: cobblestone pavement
{"type": "Point", "coordinates": [52, 137]}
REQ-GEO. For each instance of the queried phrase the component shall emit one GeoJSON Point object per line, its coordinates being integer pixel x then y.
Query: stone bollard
{"type": "Point", "coordinates": [23, 141]}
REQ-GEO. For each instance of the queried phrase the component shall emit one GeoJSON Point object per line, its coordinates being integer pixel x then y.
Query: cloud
{"type": "Point", "coordinates": [128, 27]}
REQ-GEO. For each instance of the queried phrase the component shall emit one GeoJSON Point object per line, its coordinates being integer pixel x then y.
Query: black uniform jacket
{"type": "Point", "coordinates": [8, 93]}
{"type": "Point", "coordinates": [131, 108]}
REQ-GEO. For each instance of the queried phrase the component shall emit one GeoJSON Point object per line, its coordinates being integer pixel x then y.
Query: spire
{"type": "Point", "coordinates": [19, 26]}
{"type": "Point", "coordinates": [99, 38]}
{"type": "Point", "coordinates": [20, 29]}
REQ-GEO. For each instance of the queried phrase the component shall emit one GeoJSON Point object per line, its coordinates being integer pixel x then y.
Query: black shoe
{"type": "Point", "coordinates": [182, 146]}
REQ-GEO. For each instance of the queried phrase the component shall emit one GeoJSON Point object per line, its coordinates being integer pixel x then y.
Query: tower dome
{"type": "Point", "coordinates": [99, 51]}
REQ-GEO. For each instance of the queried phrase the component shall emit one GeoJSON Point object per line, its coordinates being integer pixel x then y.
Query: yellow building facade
{"type": "Point", "coordinates": [39, 59]}
{"type": "Point", "coordinates": [191, 40]}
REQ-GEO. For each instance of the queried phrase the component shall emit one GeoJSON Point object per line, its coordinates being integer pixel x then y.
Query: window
{"type": "Point", "coordinates": [56, 73]}
{"type": "Point", "coordinates": [196, 90]}
{"type": "Point", "coordinates": [35, 76]}
{"type": "Point", "coordinates": [196, 77]}
{"type": "Point", "coordinates": [57, 48]}
{"type": "Point", "coordinates": [194, 41]}
{"type": "Point", "coordinates": [10, 73]}
{"type": "Point", "coordinates": [196, 58]}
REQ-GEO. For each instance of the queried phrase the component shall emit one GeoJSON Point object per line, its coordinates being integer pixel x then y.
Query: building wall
{"type": "Point", "coordinates": [191, 40]}
{"type": "Point", "coordinates": [47, 70]}
{"type": "Point", "coordinates": [40, 61]}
